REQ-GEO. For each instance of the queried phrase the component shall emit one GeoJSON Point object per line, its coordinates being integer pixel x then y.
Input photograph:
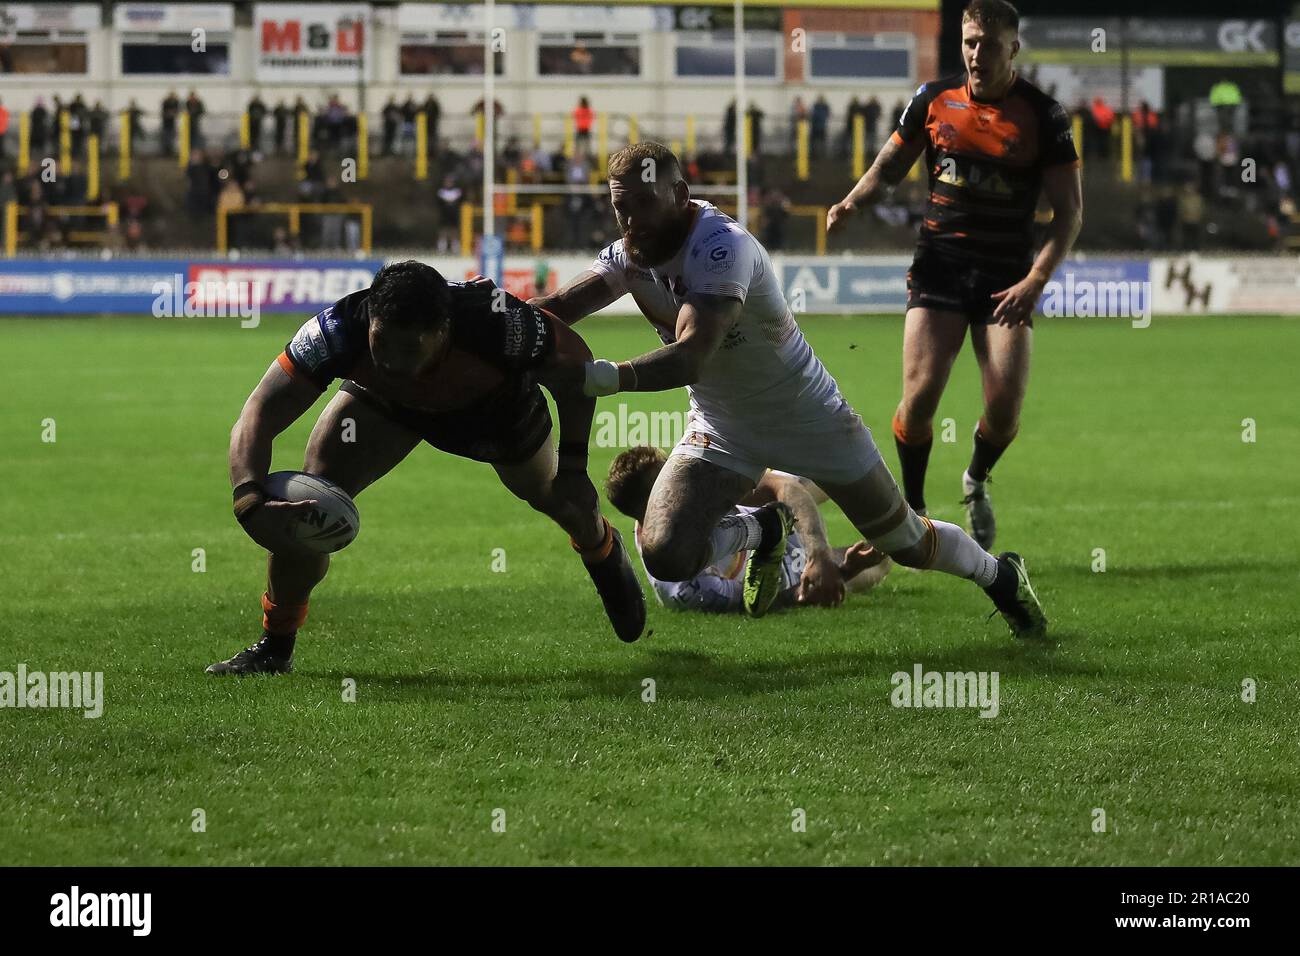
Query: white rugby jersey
{"type": "Point", "coordinates": [763, 366]}
{"type": "Point", "coordinates": [720, 588]}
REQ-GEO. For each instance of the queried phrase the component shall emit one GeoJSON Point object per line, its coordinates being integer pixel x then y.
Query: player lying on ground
{"type": "Point", "coordinates": [992, 143]}
{"type": "Point", "coordinates": [453, 364]}
{"type": "Point", "coordinates": [759, 399]}
{"type": "Point", "coordinates": [720, 587]}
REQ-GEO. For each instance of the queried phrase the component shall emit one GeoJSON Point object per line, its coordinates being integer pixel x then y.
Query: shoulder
{"type": "Point", "coordinates": [1044, 106]}
{"type": "Point", "coordinates": [497, 326]}
{"type": "Point", "coordinates": [613, 256]}
{"type": "Point", "coordinates": [327, 342]}
{"type": "Point", "coordinates": [335, 330]}
{"type": "Point", "coordinates": [719, 246]}
{"type": "Point", "coordinates": [928, 91]}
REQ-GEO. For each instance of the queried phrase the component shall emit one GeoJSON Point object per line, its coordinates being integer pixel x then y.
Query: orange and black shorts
{"type": "Point", "coordinates": [939, 281]}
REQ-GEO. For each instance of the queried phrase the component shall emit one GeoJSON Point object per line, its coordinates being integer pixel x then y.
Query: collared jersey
{"type": "Point", "coordinates": [985, 162]}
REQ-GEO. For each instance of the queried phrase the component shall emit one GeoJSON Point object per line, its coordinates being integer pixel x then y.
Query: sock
{"type": "Point", "coordinates": [952, 550]}
{"type": "Point", "coordinates": [281, 645]}
{"type": "Point", "coordinates": [914, 456]}
{"type": "Point", "coordinates": [601, 551]}
{"type": "Point", "coordinates": [280, 623]}
{"type": "Point", "coordinates": [770, 522]}
{"type": "Point", "coordinates": [985, 455]}
{"type": "Point", "coordinates": [1004, 585]}
{"type": "Point", "coordinates": [733, 534]}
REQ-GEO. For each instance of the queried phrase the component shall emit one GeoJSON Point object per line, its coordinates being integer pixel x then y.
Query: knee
{"type": "Point", "coordinates": [667, 560]}
{"type": "Point", "coordinates": [911, 544]}
{"type": "Point", "coordinates": [1001, 418]}
{"type": "Point", "coordinates": [911, 556]}
{"type": "Point", "coordinates": [920, 402]}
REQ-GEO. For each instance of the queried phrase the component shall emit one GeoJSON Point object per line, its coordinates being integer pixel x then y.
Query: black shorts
{"type": "Point", "coordinates": [505, 428]}
{"type": "Point", "coordinates": [938, 281]}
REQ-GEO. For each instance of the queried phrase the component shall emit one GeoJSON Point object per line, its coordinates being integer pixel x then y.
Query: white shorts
{"type": "Point", "coordinates": [837, 448]}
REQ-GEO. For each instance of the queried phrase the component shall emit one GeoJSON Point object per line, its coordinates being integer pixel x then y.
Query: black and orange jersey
{"type": "Point", "coordinates": [496, 339]}
{"type": "Point", "coordinates": [986, 162]}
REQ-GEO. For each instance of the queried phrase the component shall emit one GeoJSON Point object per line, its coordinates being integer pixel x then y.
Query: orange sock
{"type": "Point", "coordinates": [601, 551]}
{"type": "Point", "coordinates": [282, 618]}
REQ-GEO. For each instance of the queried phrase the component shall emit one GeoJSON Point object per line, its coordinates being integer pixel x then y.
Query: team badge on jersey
{"type": "Point", "coordinates": [719, 259]}
{"type": "Point", "coordinates": [309, 346]}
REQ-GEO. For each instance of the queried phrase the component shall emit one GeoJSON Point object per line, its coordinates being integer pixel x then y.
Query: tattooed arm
{"type": "Point", "coordinates": [586, 294]}
{"type": "Point", "coordinates": [888, 170]}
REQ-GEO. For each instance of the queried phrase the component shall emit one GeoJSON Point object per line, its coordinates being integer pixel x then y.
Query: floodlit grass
{"type": "Point", "coordinates": [479, 691]}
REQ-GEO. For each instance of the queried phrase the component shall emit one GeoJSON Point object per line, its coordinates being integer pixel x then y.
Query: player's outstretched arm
{"type": "Point", "coordinates": [563, 373]}
{"type": "Point", "coordinates": [891, 165]}
{"type": "Point", "coordinates": [578, 299]}
{"type": "Point", "coordinates": [278, 401]}
{"type": "Point", "coordinates": [701, 325]}
{"type": "Point", "coordinates": [822, 582]}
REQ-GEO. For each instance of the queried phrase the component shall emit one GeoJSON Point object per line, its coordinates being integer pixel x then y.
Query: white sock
{"type": "Point", "coordinates": [957, 553]}
{"type": "Point", "coordinates": [969, 484]}
{"type": "Point", "coordinates": [734, 533]}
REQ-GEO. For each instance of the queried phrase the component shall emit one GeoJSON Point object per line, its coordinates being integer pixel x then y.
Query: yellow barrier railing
{"type": "Point", "coordinates": [1126, 149]}
{"type": "Point", "coordinates": [124, 146]}
{"type": "Point", "coordinates": [65, 144]}
{"type": "Point", "coordinates": [92, 168]}
{"type": "Point", "coordinates": [816, 213]}
{"type": "Point", "coordinates": [801, 150]}
{"type": "Point", "coordinates": [602, 142]}
{"type": "Point", "coordinates": [13, 210]}
{"type": "Point", "coordinates": [294, 211]}
{"type": "Point", "coordinates": [363, 147]}
{"type": "Point", "coordinates": [183, 139]}
{"type": "Point", "coordinates": [24, 143]}
{"type": "Point", "coordinates": [535, 224]}
{"type": "Point", "coordinates": [421, 145]}
{"type": "Point", "coordinates": [859, 145]}
{"type": "Point", "coordinates": [304, 142]}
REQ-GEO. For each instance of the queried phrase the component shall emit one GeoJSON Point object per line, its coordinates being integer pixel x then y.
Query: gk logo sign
{"type": "Point", "coordinates": [1243, 36]}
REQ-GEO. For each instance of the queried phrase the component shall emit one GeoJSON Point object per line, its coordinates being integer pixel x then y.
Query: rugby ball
{"type": "Point", "coordinates": [330, 524]}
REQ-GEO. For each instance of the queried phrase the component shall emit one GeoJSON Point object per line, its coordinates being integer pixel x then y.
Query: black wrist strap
{"type": "Point", "coordinates": [573, 453]}
{"type": "Point", "coordinates": [248, 497]}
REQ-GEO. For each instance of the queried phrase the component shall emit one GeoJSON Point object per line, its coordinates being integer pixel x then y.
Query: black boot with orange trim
{"type": "Point", "coordinates": [616, 583]}
{"type": "Point", "coordinates": [273, 654]}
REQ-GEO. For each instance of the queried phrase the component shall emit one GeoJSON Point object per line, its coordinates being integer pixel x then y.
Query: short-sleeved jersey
{"type": "Point", "coordinates": [986, 162]}
{"type": "Point", "coordinates": [763, 363]}
{"type": "Point", "coordinates": [490, 345]}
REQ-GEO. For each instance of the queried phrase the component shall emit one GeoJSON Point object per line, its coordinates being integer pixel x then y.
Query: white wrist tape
{"type": "Point", "coordinates": [601, 379]}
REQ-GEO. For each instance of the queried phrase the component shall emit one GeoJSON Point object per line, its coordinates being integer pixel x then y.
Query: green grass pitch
{"type": "Point", "coordinates": [480, 691]}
